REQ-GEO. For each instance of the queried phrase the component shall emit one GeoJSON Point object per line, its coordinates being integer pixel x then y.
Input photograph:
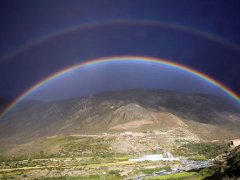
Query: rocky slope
{"type": "Point", "coordinates": [206, 116]}
{"type": "Point", "coordinates": [226, 166]}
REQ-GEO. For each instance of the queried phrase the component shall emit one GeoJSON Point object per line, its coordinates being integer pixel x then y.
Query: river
{"type": "Point", "coordinates": [187, 165]}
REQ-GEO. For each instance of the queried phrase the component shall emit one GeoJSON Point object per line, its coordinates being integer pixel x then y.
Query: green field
{"type": "Point", "coordinates": [88, 157]}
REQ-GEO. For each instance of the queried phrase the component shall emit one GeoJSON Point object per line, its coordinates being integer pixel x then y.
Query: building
{"type": "Point", "coordinates": [234, 143]}
{"type": "Point", "coordinates": [128, 133]}
{"type": "Point", "coordinates": [154, 157]}
{"type": "Point", "coordinates": [167, 154]}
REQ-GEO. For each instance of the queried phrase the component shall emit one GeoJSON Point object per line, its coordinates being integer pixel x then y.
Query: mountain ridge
{"type": "Point", "coordinates": [129, 110]}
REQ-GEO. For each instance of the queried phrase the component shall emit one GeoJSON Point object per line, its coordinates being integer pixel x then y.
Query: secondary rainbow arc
{"type": "Point", "coordinates": [120, 58]}
{"type": "Point", "coordinates": [174, 26]}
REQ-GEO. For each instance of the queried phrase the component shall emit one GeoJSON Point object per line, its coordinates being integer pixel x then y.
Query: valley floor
{"type": "Point", "coordinates": [120, 169]}
{"type": "Point", "coordinates": [108, 156]}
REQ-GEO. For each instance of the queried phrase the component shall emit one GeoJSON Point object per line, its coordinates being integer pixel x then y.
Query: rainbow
{"type": "Point", "coordinates": [92, 25]}
{"type": "Point", "coordinates": [120, 59]}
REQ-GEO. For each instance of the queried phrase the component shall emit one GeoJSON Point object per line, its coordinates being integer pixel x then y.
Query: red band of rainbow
{"type": "Point", "coordinates": [121, 58]}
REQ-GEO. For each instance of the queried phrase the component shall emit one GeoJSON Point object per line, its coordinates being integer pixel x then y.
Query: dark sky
{"type": "Point", "coordinates": [26, 57]}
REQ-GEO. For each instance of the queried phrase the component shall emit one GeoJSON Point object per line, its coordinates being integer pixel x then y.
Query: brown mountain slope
{"type": "Point", "coordinates": [208, 116]}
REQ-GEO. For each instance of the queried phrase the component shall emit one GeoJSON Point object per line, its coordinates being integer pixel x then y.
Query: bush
{"type": "Point", "coordinates": [114, 173]}
{"type": "Point", "coordinates": [203, 149]}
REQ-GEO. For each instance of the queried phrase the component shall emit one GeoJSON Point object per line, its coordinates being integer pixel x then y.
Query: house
{"type": "Point", "coordinates": [234, 143]}
{"type": "Point", "coordinates": [128, 133]}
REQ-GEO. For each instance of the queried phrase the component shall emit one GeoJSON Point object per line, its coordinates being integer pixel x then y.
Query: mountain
{"type": "Point", "coordinates": [204, 116]}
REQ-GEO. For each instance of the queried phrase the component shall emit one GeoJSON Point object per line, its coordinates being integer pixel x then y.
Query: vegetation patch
{"type": "Point", "coordinates": [59, 140]}
{"type": "Point", "coordinates": [90, 177]}
{"type": "Point", "coordinates": [207, 150]}
{"type": "Point", "coordinates": [198, 158]}
{"type": "Point", "coordinates": [179, 176]}
{"type": "Point", "coordinates": [152, 170]}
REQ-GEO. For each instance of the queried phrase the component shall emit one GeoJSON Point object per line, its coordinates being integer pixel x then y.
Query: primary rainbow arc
{"type": "Point", "coordinates": [120, 58]}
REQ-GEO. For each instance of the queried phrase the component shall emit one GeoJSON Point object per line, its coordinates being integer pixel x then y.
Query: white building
{"type": "Point", "coordinates": [234, 143]}
{"type": "Point", "coordinates": [128, 133]}
{"type": "Point", "coordinates": [154, 157]}
{"type": "Point", "coordinates": [167, 154]}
